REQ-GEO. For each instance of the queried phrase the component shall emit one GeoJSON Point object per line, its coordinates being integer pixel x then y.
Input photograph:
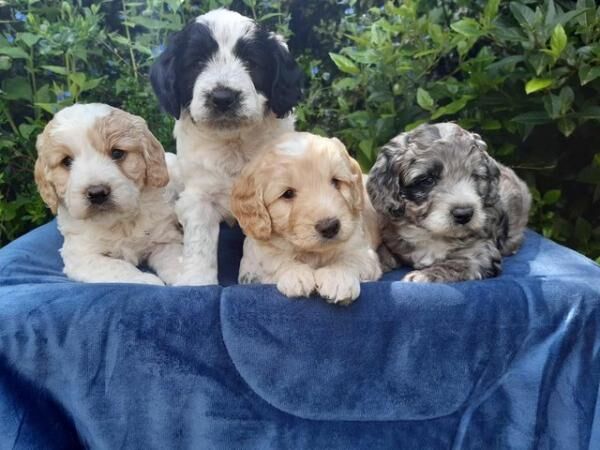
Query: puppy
{"type": "Point", "coordinates": [308, 221]}
{"type": "Point", "coordinates": [231, 86]}
{"type": "Point", "coordinates": [445, 206]}
{"type": "Point", "coordinates": [103, 173]}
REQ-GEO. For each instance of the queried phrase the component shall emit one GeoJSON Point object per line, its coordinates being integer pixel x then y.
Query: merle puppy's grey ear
{"type": "Point", "coordinates": [383, 184]}
{"type": "Point", "coordinates": [163, 77]}
{"type": "Point", "coordinates": [286, 91]}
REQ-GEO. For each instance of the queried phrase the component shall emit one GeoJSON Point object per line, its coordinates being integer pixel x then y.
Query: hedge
{"type": "Point", "coordinates": [524, 74]}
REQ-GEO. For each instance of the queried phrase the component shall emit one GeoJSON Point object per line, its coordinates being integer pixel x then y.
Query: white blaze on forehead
{"type": "Point", "coordinates": [79, 116]}
{"type": "Point", "coordinates": [226, 26]}
{"type": "Point", "coordinates": [294, 146]}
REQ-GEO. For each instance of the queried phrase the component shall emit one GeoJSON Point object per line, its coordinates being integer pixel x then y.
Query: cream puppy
{"type": "Point", "coordinates": [103, 173]}
{"type": "Point", "coordinates": [309, 224]}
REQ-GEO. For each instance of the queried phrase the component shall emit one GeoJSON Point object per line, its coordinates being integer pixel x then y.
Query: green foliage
{"type": "Point", "coordinates": [524, 74]}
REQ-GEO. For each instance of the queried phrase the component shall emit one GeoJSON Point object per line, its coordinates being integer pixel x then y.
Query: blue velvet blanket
{"type": "Point", "coordinates": [508, 363]}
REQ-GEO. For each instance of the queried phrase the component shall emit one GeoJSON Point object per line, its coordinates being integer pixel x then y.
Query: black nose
{"type": "Point", "coordinates": [462, 214]}
{"type": "Point", "coordinates": [223, 99]}
{"type": "Point", "coordinates": [328, 228]}
{"type": "Point", "coordinates": [97, 194]}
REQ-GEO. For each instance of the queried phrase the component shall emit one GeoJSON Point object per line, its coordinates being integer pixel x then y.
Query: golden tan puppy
{"type": "Point", "coordinates": [104, 174]}
{"type": "Point", "coordinates": [308, 221]}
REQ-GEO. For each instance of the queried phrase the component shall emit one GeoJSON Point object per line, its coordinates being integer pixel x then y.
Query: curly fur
{"type": "Point", "coordinates": [422, 180]}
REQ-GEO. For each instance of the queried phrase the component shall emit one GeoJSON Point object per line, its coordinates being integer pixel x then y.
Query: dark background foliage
{"type": "Point", "coordinates": [524, 74]}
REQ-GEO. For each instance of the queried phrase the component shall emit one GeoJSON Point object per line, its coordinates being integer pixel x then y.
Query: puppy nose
{"type": "Point", "coordinates": [462, 214]}
{"type": "Point", "coordinates": [329, 227]}
{"type": "Point", "coordinates": [98, 194]}
{"type": "Point", "coordinates": [223, 98]}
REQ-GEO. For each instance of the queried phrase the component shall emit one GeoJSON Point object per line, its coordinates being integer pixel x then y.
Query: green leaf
{"type": "Point", "coordinates": [491, 9]}
{"type": "Point", "coordinates": [558, 41]}
{"type": "Point", "coordinates": [5, 63]}
{"type": "Point", "coordinates": [467, 27]}
{"type": "Point", "coordinates": [29, 39]}
{"type": "Point", "coordinates": [566, 126]}
{"type": "Point", "coordinates": [14, 52]}
{"type": "Point", "coordinates": [56, 69]}
{"type": "Point", "coordinates": [589, 113]}
{"type": "Point", "coordinates": [566, 98]}
{"type": "Point", "coordinates": [26, 130]}
{"type": "Point", "coordinates": [588, 74]}
{"type": "Point", "coordinates": [453, 107]}
{"type": "Point", "coordinates": [537, 84]}
{"type": "Point", "coordinates": [17, 89]}
{"type": "Point", "coordinates": [524, 15]}
{"type": "Point", "coordinates": [532, 118]}
{"type": "Point", "coordinates": [551, 197]}
{"type": "Point", "coordinates": [424, 100]}
{"type": "Point", "coordinates": [345, 64]}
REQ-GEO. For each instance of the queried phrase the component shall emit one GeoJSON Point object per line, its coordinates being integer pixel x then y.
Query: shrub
{"type": "Point", "coordinates": [523, 74]}
{"type": "Point", "coordinates": [527, 78]}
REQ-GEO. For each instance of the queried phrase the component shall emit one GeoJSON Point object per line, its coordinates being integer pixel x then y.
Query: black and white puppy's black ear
{"type": "Point", "coordinates": [163, 76]}
{"type": "Point", "coordinates": [175, 71]}
{"type": "Point", "coordinates": [286, 91]}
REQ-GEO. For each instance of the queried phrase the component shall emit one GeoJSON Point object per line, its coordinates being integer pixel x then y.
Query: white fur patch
{"type": "Point", "coordinates": [294, 147]}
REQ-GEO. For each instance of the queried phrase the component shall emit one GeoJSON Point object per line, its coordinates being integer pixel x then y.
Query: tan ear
{"type": "Point", "coordinates": [357, 190]}
{"type": "Point", "coordinates": [248, 206]}
{"type": "Point", "coordinates": [157, 174]}
{"type": "Point", "coordinates": [44, 186]}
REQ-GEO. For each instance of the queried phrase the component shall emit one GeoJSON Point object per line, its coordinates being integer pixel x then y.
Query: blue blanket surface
{"type": "Point", "coordinates": [510, 363]}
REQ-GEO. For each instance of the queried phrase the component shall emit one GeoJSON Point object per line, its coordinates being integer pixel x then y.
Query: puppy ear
{"type": "Point", "coordinates": [157, 174]}
{"type": "Point", "coordinates": [493, 175]}
{"type": "Point", "coordinates": [383, 185]}
{"type": "Point", "coordinates": [248, 206]}
{"type": "Point", "coordinates": [44, 186]}
{"type": "Point", "coordinates": [163, 77]}
{"type": "Point", "coordinates": [286, 91]}
{"type": "Point", "coordinates": [357, 187]}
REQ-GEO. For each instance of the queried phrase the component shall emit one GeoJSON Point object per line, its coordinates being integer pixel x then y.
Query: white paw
{"type": "Point", "coordinates": [371, 269]}
{"type": "Point", "coordinates": [297, 282]}
{"type": "Point", "coordinates": [195, 280]}
{"type": "Point", "coordinates": [147, 278]}
{"type": "Point", "coordinates": [337, 286]}
{"type": "Point", "coordinates": [418, 276]}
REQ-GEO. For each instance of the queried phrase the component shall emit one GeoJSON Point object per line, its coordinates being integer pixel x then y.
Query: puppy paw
{"type": "Point", "coordinates": [418, 276]}
{"type": "Point", "coordinates": [147, 278]}
{"type": "Point", "coordinates": [337, 286]}
{"type": "Point", "coordinates": [195, 280]}
{"type": "Point", "coordinates": [387, 259]}
{"type": "Point", "coordinates": [299, 282]}
{"type": "Point", "coordinates": [371, 269]}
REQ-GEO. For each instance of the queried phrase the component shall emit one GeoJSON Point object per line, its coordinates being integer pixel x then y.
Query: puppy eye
{"type": "Point", "coordinates": [67, 161]}
{"type": "Point", "coordinates": [424, 182]}
{"type": "Point", "coordinates": [289, 194]}
{"type": "Point", "coordinates": [117, 154]}
{"type": "Point", "coordinates": [336, 183]}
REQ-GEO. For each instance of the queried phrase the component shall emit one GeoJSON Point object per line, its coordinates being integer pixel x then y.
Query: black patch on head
{"type": "Point", "coordinates": [175, 71]}
{"type": "Point", "coordinates": [274, 72]}
{"type": "Point", "coordinates": [419, 188]}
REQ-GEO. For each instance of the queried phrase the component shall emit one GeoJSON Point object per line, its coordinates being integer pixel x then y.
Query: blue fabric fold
{"type": "Point", "coordinates": [511, 362]}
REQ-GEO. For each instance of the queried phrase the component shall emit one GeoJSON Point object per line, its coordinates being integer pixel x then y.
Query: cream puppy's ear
{"type": "Point", "coordinates": [248, 206]}
{"type": "Point", "coordinates": [45, 188]}
{"type": "Point", "coordinates": [157, 174]}
{"type": "Point", "coordinates": [356, 196]}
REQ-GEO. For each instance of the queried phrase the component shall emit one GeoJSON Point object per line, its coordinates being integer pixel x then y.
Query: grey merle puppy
{"type": "Point", "coordinates": [445, 206]}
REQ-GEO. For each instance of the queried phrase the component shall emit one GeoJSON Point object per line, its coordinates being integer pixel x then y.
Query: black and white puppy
{"type": "Point", "coordinates": [231, 86]}
{"type": "Point", "coordinates": [445, 206]}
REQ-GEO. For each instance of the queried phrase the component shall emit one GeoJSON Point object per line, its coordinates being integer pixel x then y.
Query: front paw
{"type": "Point", "coordinates": [147, 278]}
{"type": "Point", "coordinates": [299, 282]}
{"type": "Point", "coordinates": [370, 270]}
{"type": "Point", "coordinates": [433, 275]}
{"type": "Point", "coordinates": [195, 280]}
{"type": "Point", "coordinates": [337, 286]}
